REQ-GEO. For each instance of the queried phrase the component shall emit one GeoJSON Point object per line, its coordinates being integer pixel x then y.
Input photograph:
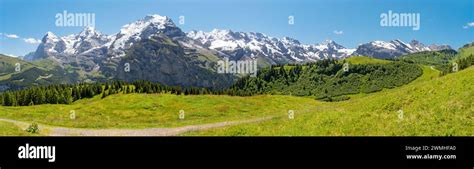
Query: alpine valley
{"type": "Point", "coordinates": [155, 49]}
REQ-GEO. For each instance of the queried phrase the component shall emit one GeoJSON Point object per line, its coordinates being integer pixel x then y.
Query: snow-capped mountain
{"type": "Point", "coordinates": [142, 29]}
{"type": "Point", "coordinates": [90, 44]}
{"type": "Point", "coordinates": [57, 47]}
{"type": "Point", "coordinates": [91, 41]}
{"type": "Point", "coordinates": [394, 48]}
{"type": "Point", "coordinates": [154, 45]}
{"type": "Point", "coordinates": [242, 45]}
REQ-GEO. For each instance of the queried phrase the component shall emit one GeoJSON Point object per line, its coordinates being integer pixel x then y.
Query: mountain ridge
{"type": "Point", "coordinates": [394, 48]}
{"type": "Point", "coordinates": [225, 43]}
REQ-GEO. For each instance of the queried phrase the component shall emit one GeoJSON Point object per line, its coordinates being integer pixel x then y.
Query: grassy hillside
{"type": "Point", "coordinates": [431, 105]}
{"type": "Point", "coordinates": [8, 65]}
{"type": "Point", "coordinates": [437, 59]}
{"type": "Point", "coordinates": [41, 72]}
{"type": "Point", "coordinates": [443, 60]}
{"type": "Point", "coordinates": [328, 79]}
{"type": "Point", "coordinates": [466, 50]}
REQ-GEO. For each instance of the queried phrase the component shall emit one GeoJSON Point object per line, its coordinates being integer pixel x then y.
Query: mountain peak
{"type": "Point", "coordinates": [398, 42]}
{"type": "Point", "coordinates": [49, 36]}
{"type": "Point", "coordinates": [331, 44]}
{"type": "Point", "coordinates": [88, 32]}
{"type": "Point", "coordinates": [415, 42]}
{"type": "Point", "coordinates": [379, 44]}
{"type": "Point", "coordinates": [145, 28]}
{"type": "Point", "coordinates": [221, 31]}
{"type": "Point", "coordinates": [89, 29]}
{"type": "Point", "coordinates": [155, 18]}
{"type": "Point", "coordinates": [328, 41]}
{"type": "Point", "coordinates": [289, 40]}
{"type": "Point", "coordinates": [158, 21]}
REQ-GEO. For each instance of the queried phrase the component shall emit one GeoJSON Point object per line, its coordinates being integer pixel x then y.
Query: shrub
{"type": "Point", "coordinates": [33, 128]}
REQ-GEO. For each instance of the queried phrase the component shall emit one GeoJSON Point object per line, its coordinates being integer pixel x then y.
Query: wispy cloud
{"type": "Point", "coordinates": [338, 32]}
{"type": "Point", "coordinates": [12, 36]}
{"type": "Point", "coordinates": [11, 55]}
{"type": "Point", "coordinates": [468, 25]}
{"type": "Point", "coordinates": [27, 40]}
{"type": "Point", "coordinates": [32, 40]}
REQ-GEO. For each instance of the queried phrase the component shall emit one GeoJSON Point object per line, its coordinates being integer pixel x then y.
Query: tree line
{"type": "Point", "coordinates": [68, 93]}
{"type": "Point", "coordinates": [52, 94]}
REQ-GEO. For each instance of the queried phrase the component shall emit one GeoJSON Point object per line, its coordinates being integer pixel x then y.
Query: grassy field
{"type": "Point", "coordinates": [156, 110]}
{"type": "Point", "coordinates": [430, 105]}
{"type": "Point", "coordinates": [10, 129]}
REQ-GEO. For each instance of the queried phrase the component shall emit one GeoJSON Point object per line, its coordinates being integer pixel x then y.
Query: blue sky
{"type": "Point", "coordinates": [441, 21]}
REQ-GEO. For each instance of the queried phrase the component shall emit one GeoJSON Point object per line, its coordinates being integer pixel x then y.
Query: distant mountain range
{"type": "Point", "coordinates": [155, 49]}
{"type": "Point", "coordinates": [240, 45]}
{"type": "Point", "coordinates": [394, 48]}
{"type": "Point", "coordinates": [224, 43]}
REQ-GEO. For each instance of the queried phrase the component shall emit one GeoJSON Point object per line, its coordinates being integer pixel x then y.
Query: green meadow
{"type": "Point", "coordinates": [431, 105]}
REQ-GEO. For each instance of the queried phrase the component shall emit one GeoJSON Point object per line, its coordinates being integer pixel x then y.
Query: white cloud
{"type": "Point", "coordinates": [32, 40]}
{"type": "Point", "coordinates": [12, 36]}
{"type": "Point", "coordinates": [338, 32]}
{"type": "Point", "coordinates": [11, 55]}
{"type": "Point", "coordinates": [468, 25]}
